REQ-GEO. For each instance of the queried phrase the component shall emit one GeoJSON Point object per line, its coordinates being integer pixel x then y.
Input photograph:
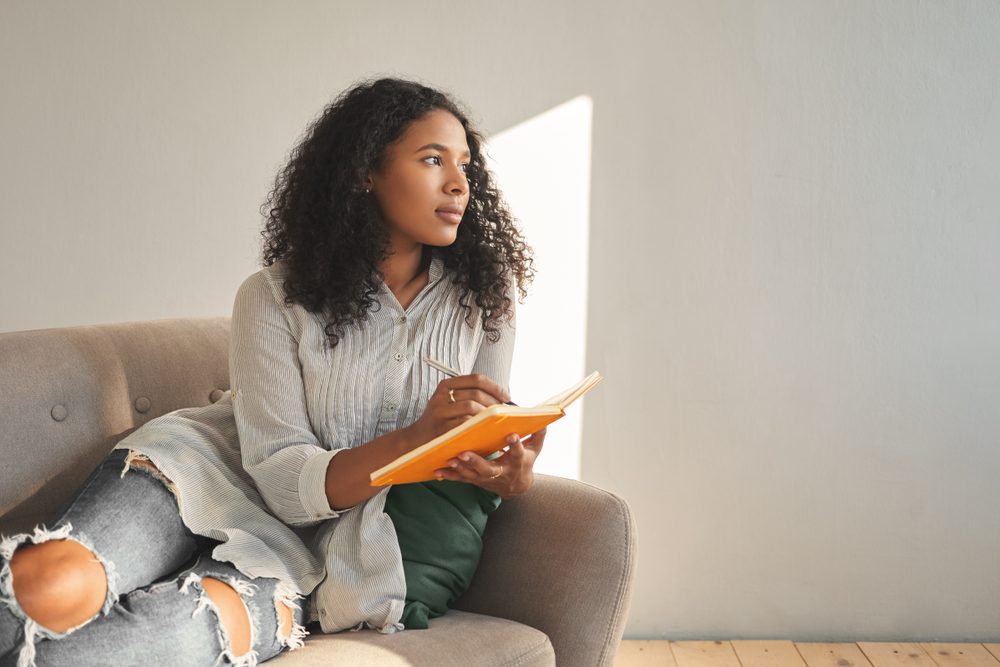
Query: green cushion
{"type": "Point", "coordinates": [440, 527]}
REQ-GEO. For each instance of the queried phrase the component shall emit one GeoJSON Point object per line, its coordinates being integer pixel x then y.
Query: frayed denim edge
{"type": "Point", "coordinates": [152, 470]}
{"type": "Point", "coordinates": [288, 596]}
{"type": "Point", "coordinates": [248, 659]}
{"type": "Point", "coordinates": [32, 629]}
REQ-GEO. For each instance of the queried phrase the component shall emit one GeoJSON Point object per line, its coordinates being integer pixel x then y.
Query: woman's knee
{"type": "Point", "coordinates": [59, 584]}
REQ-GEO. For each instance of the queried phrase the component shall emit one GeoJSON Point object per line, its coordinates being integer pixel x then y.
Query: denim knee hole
{"type": "Point", "coordinates": [288, 596]}
{"type": "Point", "coordinates": [242, 588]}
{"type": "Point", "coordinates": [32, 629]}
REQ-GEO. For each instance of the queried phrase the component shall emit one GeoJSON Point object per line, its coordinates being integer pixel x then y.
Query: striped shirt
{"type": "Point", "coordinates": [250, 469]}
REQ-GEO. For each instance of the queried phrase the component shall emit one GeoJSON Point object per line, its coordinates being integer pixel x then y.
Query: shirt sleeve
{"type": "Point", "coordinates": [279, 449]}
{"type": "Point", "coordinates": [494, 358]}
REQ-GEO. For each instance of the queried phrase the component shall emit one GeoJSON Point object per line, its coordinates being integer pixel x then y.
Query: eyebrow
{"type": "Point", "coordinates": [439, 147]}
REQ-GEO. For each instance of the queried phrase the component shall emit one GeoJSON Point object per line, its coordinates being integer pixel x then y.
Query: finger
{"type": "Point", "coordinates": [463, 409]}
{"type": "Point", "coordinates": [478, 381]}
{"type": "Point", "coordinates": [478, 395]}
{"type": "Point", "coordinates": [536, 440]}
{"type": "Point", "coordinates": [475, 463]}
{"type": "Point", "coordinates": [474, 468]}
{"type": "Point", "coordinates": [515, 454]}
{"type": "Point", "coordinates": [447, 473]}
{"type": "Point", "coordinates": [465, 472]}
{"type": "Point", "coordinates": [481, 396]}
{"type": "Point", "coordinates": [526, 455]}
{"type": "Point", "coordinates": [452, 422]}
{"type": "Point", "coordinates": [457, 470]}
{"type": "Point", "coordinates": [511, 442]}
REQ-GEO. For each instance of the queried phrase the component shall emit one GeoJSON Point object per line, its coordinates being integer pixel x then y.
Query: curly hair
{"type": "Point", "coordinates": [331, 236]}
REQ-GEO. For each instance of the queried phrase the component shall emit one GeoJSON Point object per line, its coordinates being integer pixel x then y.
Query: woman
{"type": "Point", "coordinates": [386, 242]}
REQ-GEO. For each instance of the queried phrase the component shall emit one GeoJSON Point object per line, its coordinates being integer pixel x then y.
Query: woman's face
{"type": "Point", "coordinates": [421, 188]}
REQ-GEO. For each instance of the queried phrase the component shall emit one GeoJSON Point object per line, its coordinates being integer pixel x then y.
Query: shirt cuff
{"type": "Point", "coordinates": [312, 486]}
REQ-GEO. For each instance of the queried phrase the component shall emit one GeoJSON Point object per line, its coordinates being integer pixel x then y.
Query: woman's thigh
{"type": "Point", "coordinates": [129, 520]}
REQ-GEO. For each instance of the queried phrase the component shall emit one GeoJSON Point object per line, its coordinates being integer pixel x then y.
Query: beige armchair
{"type": "Point", "coordinates": [555, 579]}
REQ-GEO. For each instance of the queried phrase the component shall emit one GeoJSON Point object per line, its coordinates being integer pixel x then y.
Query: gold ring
{"type": "Point", "coordinates": [451, 395]}
{"type": "Point", "coordinates": [499, 473]}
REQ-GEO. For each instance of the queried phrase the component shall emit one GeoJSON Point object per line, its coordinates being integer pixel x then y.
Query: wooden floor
{"type": "Point", "coordinates": [742, 653]}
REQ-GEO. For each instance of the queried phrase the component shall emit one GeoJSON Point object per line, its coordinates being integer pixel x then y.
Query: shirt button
{"type": "Point", "coordinates": [391, 407]}
{"type": "Point", "coordinates": [402, 319]}
{"type": "Point", "coordinates": [398, 356]}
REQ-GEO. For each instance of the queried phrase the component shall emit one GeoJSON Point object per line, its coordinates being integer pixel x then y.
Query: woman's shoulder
{"type": "Point", "coordinates": [261, 297]}
{"type": "Point", "coordinates": [266, 282]}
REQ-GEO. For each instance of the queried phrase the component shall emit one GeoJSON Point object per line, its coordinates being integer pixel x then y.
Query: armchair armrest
{"type": "Point", "coordinates": [560, 558]}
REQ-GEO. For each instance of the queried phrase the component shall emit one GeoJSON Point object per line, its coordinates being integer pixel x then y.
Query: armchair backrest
{"type": "Point", "coordinates": [69, 394]}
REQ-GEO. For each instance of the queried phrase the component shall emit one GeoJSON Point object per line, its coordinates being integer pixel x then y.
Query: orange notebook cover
{"type": "Point", "coordinates": [484, 434]}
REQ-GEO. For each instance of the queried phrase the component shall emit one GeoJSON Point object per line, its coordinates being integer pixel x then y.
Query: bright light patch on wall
{"type": "Point", "coordinates": [542, 166]}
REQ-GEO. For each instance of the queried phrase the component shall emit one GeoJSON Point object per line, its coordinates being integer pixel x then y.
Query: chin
{"type": "Point", "coordinates": [442, 240]}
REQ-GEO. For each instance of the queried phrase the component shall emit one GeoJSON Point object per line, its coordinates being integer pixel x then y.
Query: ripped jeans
{"type": "Point", "coordinates": [156, 611]}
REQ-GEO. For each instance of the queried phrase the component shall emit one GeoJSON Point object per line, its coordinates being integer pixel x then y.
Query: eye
{"type": "Point", "coordinates": [437, 160]}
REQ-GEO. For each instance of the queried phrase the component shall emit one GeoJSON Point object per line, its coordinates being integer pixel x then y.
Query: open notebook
{"type": "Point", "coordinates": [485, 434]}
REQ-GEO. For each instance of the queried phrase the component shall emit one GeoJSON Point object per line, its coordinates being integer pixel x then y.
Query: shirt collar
{"type": "Point", "coordinates": [437, 266]}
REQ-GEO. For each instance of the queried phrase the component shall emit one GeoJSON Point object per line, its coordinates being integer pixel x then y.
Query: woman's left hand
{"type": "Point", "coordinates": [508, 475]}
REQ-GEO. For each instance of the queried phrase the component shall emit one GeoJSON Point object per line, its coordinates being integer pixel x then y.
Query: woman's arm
{"type": "Point", "coordinates": [300, 480]}
{"type": "Point", "coordinates": [279, 449]}
{"type": "Point", "coordinates": [348, 477]}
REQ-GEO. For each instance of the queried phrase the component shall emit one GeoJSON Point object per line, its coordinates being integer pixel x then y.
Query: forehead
{"type": "Point", "coordinates": [437, 127]}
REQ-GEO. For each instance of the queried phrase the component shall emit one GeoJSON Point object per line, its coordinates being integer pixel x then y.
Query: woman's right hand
{"type": "Point", "coordinates": [454, 401]}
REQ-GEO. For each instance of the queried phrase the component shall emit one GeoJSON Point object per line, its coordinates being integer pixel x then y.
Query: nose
{"type": "Point", "coordinates": [458, 182]}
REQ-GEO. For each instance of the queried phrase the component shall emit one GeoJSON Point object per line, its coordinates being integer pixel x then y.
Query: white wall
{"type": "Point", "coordinates": [793, 256]}
{"type": "Point", "coordinates": [799, 238]}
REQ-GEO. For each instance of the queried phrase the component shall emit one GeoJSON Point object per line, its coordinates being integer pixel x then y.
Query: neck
{"type": "Point", "coordinates": [402, 269]}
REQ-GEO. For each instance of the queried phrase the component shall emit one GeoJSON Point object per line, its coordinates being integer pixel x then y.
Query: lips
{"type": "Point", "coordinates": [452, 214]}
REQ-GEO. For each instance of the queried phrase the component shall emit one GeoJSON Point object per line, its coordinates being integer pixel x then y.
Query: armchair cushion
{"type": "Point", "coordinates": [457, 639]}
